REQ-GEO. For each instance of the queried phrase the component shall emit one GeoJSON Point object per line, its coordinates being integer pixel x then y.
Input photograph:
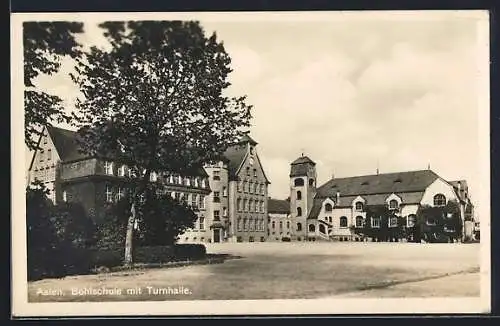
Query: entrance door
{"type": "Point", "coordinates": [216, 235]}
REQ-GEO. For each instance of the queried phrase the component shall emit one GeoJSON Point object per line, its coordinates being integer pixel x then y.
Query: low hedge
{"type": "Point", "coordinates": [61, 262]}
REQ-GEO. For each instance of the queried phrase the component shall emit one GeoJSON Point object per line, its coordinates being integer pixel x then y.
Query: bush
{"type": "Point", "coordinates": [286, 239]}
{"type": "Point", "coordinates": [154, 254]}
{"type": "Point", "coordinates": [189, 251]}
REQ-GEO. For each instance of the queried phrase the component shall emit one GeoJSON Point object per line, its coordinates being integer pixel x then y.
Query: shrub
{"type": "Point", "coordinates": [189, 251]}
{"type": "Point", "coordinates": [154, 254]}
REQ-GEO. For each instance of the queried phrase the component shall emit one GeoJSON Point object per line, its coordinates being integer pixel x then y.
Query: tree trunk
{"type": "Point", "coordinates": [130, 237]}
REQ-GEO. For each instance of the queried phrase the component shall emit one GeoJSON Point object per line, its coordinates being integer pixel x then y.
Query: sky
{"type": "Point", "coordinates": [351, 92]}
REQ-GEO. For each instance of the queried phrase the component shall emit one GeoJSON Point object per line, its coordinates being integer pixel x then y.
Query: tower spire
{"type": "Point", "coordinates": [377, 167]}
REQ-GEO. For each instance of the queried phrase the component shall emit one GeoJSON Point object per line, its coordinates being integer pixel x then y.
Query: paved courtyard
{"type": "Point", "coordinates": [288, 271]}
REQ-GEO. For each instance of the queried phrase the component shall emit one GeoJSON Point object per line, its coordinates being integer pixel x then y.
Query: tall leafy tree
{"type": "Point", "coordinates": [45, 43]}
{"type": "Point", "coordinates": [156, 101]}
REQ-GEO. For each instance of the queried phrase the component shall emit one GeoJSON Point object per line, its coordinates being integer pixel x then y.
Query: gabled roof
{"type": "Point", "coordinates": [66, 144]}
{"type": "Point", "coordinates": [247, 139]}
{"type": "Point", "coordinates": [387, 183]}
{"type": "Point", "coordinates": [235, 155]}
{"type": "Point", "coordinates": [278, 206]}
{"type": "Point", "coordinates": [68, 149]}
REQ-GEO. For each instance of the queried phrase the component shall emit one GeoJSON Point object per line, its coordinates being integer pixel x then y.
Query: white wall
{"type": "Point", "coordinates": [438, 187]}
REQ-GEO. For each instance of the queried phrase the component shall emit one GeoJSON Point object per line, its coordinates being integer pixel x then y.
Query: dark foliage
{"type": "Point", "coordinates": [45, 43]}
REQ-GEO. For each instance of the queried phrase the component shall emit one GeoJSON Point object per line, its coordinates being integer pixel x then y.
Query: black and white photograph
{"type": "Point", "coordinates": [258, 163]}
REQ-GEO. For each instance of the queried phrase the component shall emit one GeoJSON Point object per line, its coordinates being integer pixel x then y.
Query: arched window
{"type": "Point", "coordinates": [299, 195]}
{"type": "Point", "coordinates": [343, 222]}
{"type": "Point", "coordinates": [312, 228]}
{"type": "Point", "coordinates": [328, 207]}
{"type": "Point", "coordinates": [273, 225]}
{"type": "Point", "coordinates": [393, 204]}
{"type": "Point", "coordinates": [299, 182]}
{"type": "Point", "coordinates": [322, 229]}
{"type": "Point", "coordinates": [359, 206]}
{"type": "Point", "coordinates": [311, 182]}
{"type": "Point", "coordinates": [299, 211]}
{"type": "Point", "coordinates": [287, 225]}
{"type": "Point", "coordinates": [299, 226]}
{"type": "Point", "coordinates": [439, 200]}
{"type": "Point", "coordinates": [359, 221]}
{"type": "Point", "coordinates": [245, 203]}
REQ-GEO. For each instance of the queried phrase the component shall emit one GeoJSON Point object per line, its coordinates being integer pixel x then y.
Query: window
{"type": "Point", "coordinates": [216, 175]}
{"type": "Point", "coordinates": [299, 226]}
{"type": "Point", "coordinates": [439, 200]}
{"type": "Point", "coordinates": [121, 171]}
{"type": "Point", "coordinates": [65, 196]}
{"type": "Point", "coordinates": [202, 222]}
{"type": "Point", "coordinates": [239, 226]}
{"type": "Point", "coordinates": [299, 195]}
{"type": "Point", "coordinates": [245, 224]}
{"type": "Point", "coordinates": [299, 211]}
{"type": "Point", "coordinates": [177, 196]}
{"type": "Point", "coordinates": [328, 207]}
{"type": "Point", "coordinates": [255, 173]}
{"type": "Point", "coordinates": [250, 205]}
{"type": "Point", "coordinates": [240, 186]}
{"type": "Point", "coordinates": [224, 211]}
{"type": "Point", "coordinates": [262, 189]}
{"type": "Point", "coordinates": [288, 225]}
{"type": "Point", "coordinates": [393, 221]}
{"type": "Point", "coordinates": [393, 204]}
{"type": "Point", "coordinates": [273, 225]}
{"type": "Point", "coordinates": [376, 222]}
{"type": "Point", "coordinates": [42, 155]}
{"type": "Point", "coordinates": [121, 193]}
{"type": "Point", "coordinates": [262, 207]}
{"type": "Point", "coordinates": [246, 204]}
{"type": "Point", "coordinates": [411, 220]}
{"type": "Point", "coordinates": [281, 225]}
{"type": "Point", "coordinates": [187, 182]}
{"type": "Point", "coordinates": [45, 140]}
{"type": "Point", "coordinates": [248, 171]}
{"type": "Point", "coordinates": [109, 194]}
{"type": "Point", "coordinates": [216, 215]}
{"type": "Point", "coordinates": [311, 182]}
{"type": "Point", "coordinates": [245, 186]}
{"type": "Point", "coordinates": [343, 222]}
{"type": "Point", "coordinates": [203, 183]}
{"type": "Point", "coordinates": [250, 187]}
{"type": "Point", "coordinates": [216, 197]}
{"type": "Point", "coordinates": [431, 221]}
{"type": "Point", "coordinates": [312, 228]}
{"type": "Point", "coordinates": [238, 204]}
{"type": "Point", "coordinates": [224, 191]}
{"type": "Point", "coordinates": [251, 224]}
{"type": "Point", "coordinates": [196, 182]}
{"type": "Point", "coordinates": [153, 176]}
{"type": "Point", "coordinates": [359, 206]}
{"type": "Point", "coordinates": [299, 182]}
{"type": "Point", "coordinates": [322, 229]}
{"type": "Point", "coordinates": [108, 168]}
{"type": "Point", "coordinates": [49, 154]}
{"type": "Point", "coordinates": [262, 227]}
{"type": "Point", "coordinates": [359, 221]}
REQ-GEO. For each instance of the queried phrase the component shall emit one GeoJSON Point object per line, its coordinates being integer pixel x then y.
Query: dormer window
{"type": "Point", "coordinates": [248, 171]}
{"type": "Point", "coordinates": [398, 180]}
{"type": "Point", "coordinates": [359, 206]}
{"type": "Point", "coordinates": [393, 204]}
{"type": "Point", "coordinates": [328, 207]}
{"type": "Point", "coordinates": [108, 168]}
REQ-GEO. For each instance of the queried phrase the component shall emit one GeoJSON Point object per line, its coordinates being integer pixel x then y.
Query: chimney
{"type": "Point", "coordinates": [338, 197]}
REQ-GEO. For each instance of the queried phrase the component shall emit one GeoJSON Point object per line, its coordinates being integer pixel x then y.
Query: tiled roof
{"type": "Point", "coordinates": [370, 200]}
{"type": "Point", "coordinates": [247, 139]}
{"type": "Point", "coordinates": [278, 206]}
{"type": "Point", "coordinates": [66, 144]}
{"type": "Point", "coordinates": [68, 148]}
{"type": "Point", "coordinates": [303, 159]}
{"type": "Point", "coordinates": [235, 156]}
{"type": "Point", "coordinates": [399, 182]}
{"type": "Point", "coordinates": [300, 166]}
